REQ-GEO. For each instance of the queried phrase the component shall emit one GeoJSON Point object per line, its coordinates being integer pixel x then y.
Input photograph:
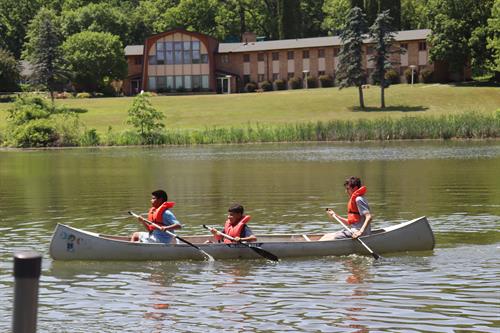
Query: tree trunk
{"type": "Point", "coordinates": [361, 100]}
{"type": "Point", "coordinates": [382, 97]}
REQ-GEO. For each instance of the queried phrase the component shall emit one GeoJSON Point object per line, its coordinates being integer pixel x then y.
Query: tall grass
{"type": "Point", "coordinates": [462, 126]}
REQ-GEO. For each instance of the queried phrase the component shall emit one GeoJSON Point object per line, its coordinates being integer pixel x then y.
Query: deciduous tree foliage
{"type": "Point", "coordinates": [144, 117]}
{"type": "Point", "coordinates": [95, 58]}
{"type": "Point", "coordinates": [9, 71]}
{"type": "Point", "coordinates": [494, 38]}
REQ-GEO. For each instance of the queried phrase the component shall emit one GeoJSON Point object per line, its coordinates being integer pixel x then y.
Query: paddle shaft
{"type": "Point", "coordinates": [172, 234]}
{"type": "Point", "coordinates": [375, 255]}
{"type": "Point", "coordinates": [258, 250]}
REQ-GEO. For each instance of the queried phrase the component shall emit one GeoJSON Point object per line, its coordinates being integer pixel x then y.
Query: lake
{"type": "Point", "coordinates": [285, 187]}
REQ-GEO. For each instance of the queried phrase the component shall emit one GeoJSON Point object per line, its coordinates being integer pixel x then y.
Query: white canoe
{"type": "Point", "coordinates": [74, 244]}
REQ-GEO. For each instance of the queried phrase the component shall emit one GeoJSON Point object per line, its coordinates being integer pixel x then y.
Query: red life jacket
{"type": "Point", "coordinates": [236, 230]}
{"type": "Point", "coordinates": [353, 215]}
{"type": "Point", "coordinates": [156, 214]}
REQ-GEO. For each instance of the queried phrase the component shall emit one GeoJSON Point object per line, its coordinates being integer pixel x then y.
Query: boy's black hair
{"type": "Point", "coordinates": [160, 194]}
{"type": "Point", "coordinates": [352, 182]}
{"type": "Point", "coordinates": [236, 208]}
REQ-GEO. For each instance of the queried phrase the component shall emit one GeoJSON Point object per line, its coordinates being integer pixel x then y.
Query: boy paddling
{"type": "Point", "coordinates": [161, 215]}
{"type": "Point", "coordinates": [358, 212]}
{"type": "Point", "coordinates": [236, 227]}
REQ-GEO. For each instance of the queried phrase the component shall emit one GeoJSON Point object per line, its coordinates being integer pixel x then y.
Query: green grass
{"type": "Point", "coordinates": [196, 112]}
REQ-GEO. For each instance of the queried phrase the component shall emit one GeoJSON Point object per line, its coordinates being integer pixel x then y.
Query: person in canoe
{"type": "Point", "coordinates": [235, 226]}
{"type": "Point", "coordinates": [161, 215]}
{"type": "Point", "coordinates": [358, 212]}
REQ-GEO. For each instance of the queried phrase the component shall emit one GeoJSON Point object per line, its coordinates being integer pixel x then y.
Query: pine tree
{"type": "Point", "coordinates": [382, 34]}
{"type": "Point", "coordinates": [43, 51]}
{"type": "Point", "coordinates": [350, 71]}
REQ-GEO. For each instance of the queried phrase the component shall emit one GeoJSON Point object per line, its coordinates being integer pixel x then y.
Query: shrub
{"type": "Point", "coordinates": [83, 95]}
{"type": "Point", "coordinates": [392, 76]}
{"type": "Point", "coordinates": [90, 138]}
{"type": "Point", "coordinates": [312, 82]}
{"type": "Point", "coordinates": [426, 75]}
{"type": "Point", "coordinates": [250, 87]}
{"type": "Point", "coordinates": [407, 74]}
{"type": "Point", "coordinates": [326, 81]}
{"type": "Point", "coordinates": [266, 86]}
{"type": "Point", "coordinates": [280, 84]}
{"type": "Point", "coordinates": [36, 133]}
{"type": "Point", "coordinates": [295, 83]}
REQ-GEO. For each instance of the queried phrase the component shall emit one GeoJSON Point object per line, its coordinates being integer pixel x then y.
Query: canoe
{"type": "Point", "coordinates": [75, 244]}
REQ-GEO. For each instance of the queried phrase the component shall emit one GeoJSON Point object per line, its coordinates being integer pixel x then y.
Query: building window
{"type": "Point", "coordinates": [290, 55]}
{"type": "Point", "coordinates": [276, 76]}
{"type": "Point", "coordinates": [187, 82]}
{"type": "Point", "coordinates": [260, 77]}
{"type": "Point", "coordinates": [177, 52]}
{"type": "Point", "coordinates": [321, 73]}
{"type": "Point", "coordinates": [321, 53]}
{"type": "Point", "coordinates": [152, 83]}
{"type": "Point", "coordinates": [179, 84]}
{"type": "Point", "coordinates": [305, 54]}
{"type": "Point", "coordinates": [290, 75]}
{"type": "Point", "coordinates": [404, 46]}
{"type": "Point", "coordinates": [246, 58]}
{"type": "Point", "coordinates": [138, 60]}
{"type": "Point", "coordinates": [204, 58]}
{"type": "Point", "coordinates": [246, 79]}
{"type": "Point", "coordinates": [152, 60]}
{"type": "Point", "coordinates": [204, 82]}
{"type": "Point", "coordinates": [336, 51]}
{"type": "Point", "coordinates": [224, 58]}
{"type": "Point", "coordinates": [260, 56]}
{"type": "Point", "coordinates": [196, 82]}
{"type": "Point", "coordinates": [422, 46]}
{"type": "Point", "coordinates": [276, 56]}
{"type": "Point", "coordinates": [170, 82]}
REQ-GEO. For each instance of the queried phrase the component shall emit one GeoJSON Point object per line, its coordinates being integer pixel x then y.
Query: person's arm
{"type": "Point", "coordinates": [170, 222]}
{"type": "Point", "coordinates": [365, 210]}
{"type": "Point", "coordinates": [246, 236]}
{"type": "Point", "coordinates": [330, 212]}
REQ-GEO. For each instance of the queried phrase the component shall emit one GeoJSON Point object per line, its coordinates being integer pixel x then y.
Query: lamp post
{"type": "Point", "coordinates": [412, 72]}
{"type": "Point", "coordinates": [305, 71]}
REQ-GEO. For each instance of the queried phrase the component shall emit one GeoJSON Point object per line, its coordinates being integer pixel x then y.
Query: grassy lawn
{"type": "Point", "coordinates": [290, 106]}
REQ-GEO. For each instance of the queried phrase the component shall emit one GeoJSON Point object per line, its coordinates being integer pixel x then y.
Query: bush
{"type": "Point", "coordinates": [312, 82]}
{"type": "Point", "coordinates": [326, 81]}
{"type": "Point", "coordinates": [250, 87]}
{"type": "Point", "coordinates": [83, 95]}
{"type": "Point", "coordinates": [426, 75]}
{"type": "Point", "coordinates": [36, 133]}
{"type": "Point", "coordinates": [266, 86]}
{"type": "Point", "coordinates": [90, 138]}
{"type": "Point", "coordinates": [295, 83]}
{"type": "Point", "coordinates": [407, 74]}
{"type": "Point", "coordinates": [392, 76]}
{"type": "Point", "coordinates": [280, 84]}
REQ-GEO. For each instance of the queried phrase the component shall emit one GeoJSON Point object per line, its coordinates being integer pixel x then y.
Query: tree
{"type": "Point", "coordinates": [350, 71]}
{"type": "Point", "coordinates": [414, 15]}
{"type": "Point", "coordinates": [9, 71]}
{"type": "Point", "coordinates": [456, 33]}
{"type": "Point", "coordinates": [382, 33]}
{"type": "Point", "coordinates": [335, 13]}
{"type": "Point", "coordinates": [95, 58]}
{"type": "Point", "coordinates": [289, 19]}
{"type": "Point", "coordinates": [312, 17]}
{"type": "Point", "coordinates": [494, 39]}
{"type": "Point", "coordinates": [193, 15]}
{"type": "Point", "coordinates": [144, 117]}
{"type": "Point", "coordinates": [42, 50]}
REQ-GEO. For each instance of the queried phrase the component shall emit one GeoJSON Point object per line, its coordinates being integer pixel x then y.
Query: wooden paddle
{"type": "Point", "coordinates": [258, 250]}
{"type": "Point", "coordinates": [375, 255]}
{"type": "Point", "coordinates": [208, 256]}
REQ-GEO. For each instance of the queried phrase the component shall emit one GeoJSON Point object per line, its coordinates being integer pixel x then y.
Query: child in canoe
{"type": "Point", "coordinates": [235, 226]}
{"type": "Point", "coordinates": [161, 215]}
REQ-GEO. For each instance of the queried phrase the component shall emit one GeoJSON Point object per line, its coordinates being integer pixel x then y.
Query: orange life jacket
{"type": "Point", "coordinates": [236, 230]}
{"type": "Point", "coordinates": [353, 215]}
{"type": "Point", "coordinates": [156, 214]}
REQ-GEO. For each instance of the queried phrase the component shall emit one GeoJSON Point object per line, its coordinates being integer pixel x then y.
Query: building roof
{"type": "Point", "coordinates": [300, 43]}
{"type": "Point", "coordinates": [131, 50]}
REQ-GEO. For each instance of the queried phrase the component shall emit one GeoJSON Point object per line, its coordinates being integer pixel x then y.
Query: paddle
{"type": "Point", "coordinates": [375, 255]}
{"type": "Point", "coordinates": [258, 250]}
{"type": "Point", "coordinates": [208, 256]}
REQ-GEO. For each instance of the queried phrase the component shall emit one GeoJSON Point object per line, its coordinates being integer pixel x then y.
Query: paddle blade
{"type": "Point", "coordinates": [376, 256]}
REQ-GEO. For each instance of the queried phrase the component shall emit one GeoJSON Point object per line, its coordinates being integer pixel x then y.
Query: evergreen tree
{"type": "Point", "coordinates": [382, 34]}
{"type": "Point", "coordinates": [43, 51]}
{"type": "Point", "coordinates": [289, 19]}
{"type": "Point", "coordinates": [350, 71]}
